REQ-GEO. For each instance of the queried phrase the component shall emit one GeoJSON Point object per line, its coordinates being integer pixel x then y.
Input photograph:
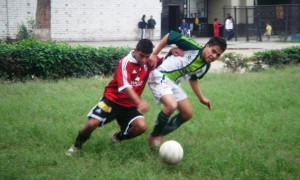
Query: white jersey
{"type": "Point", "coordinates": [179, 68]}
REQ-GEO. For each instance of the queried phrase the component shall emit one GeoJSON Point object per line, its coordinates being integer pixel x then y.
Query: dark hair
{"type": "Point", "coordinates": [145, 46]}
{"type": "Point", "coordinates": [218, 41]}
{"type": "Point", "coordinates": [216, 19]}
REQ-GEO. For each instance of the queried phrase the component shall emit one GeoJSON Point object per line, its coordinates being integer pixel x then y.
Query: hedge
{"type": "Point", "coordinates": [30, 59]}
{"type": "Point", "coordinates": [269, 58]}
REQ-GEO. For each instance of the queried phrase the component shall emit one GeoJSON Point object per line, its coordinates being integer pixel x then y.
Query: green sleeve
{"type": "Point", "coordinates": [182, 42]}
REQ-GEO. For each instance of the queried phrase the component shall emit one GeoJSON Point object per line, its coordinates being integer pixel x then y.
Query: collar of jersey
{"type": "Point", "coordinates": [131, 58]}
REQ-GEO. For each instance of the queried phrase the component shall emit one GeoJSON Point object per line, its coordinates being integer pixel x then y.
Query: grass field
{"type": "Point", "coordinates": [253, 131]}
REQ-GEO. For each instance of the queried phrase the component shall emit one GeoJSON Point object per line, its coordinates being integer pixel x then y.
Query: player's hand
{"type": "Point", "coordinates": [152, 61]}
{"type": "Point", "coordinates": [207, 103]}
{"type": "Point", "coordinates": [177, 51]}
{"type": "Point", "coordinates": [143, 107]}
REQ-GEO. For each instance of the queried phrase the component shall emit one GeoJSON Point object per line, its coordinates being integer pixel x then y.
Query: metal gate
{"type": "Point", "coordinates": [250, 21]}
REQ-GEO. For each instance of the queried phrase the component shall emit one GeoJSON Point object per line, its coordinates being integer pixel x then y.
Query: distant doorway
{"type": "Point", "coordinates": [174, 18]}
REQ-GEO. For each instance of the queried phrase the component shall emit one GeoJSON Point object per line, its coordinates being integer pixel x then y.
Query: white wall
{"type": "Point", "coordinates": [100, 20]}
{"type": "Point", "coordinates": [18, 11]}
{"type": "Point", "coordinates": [215, 10]}
{"type": "Point", "coordinates": [81, 20]}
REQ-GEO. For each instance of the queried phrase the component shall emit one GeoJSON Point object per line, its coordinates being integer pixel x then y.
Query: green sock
{"type": "Point", "coordinates": [174, 123]}
{"type": "Point", "coordinates": [160, 123]}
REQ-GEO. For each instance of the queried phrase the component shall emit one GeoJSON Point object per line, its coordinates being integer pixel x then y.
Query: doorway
{"type": "Point", "coordinates": [174, 18]}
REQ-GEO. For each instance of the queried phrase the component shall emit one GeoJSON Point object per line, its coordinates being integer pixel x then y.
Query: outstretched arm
{"type": "Point", "coordinates": [140, 103]}
{"type": "Point", "coordinates": [153, 58]}
{"type": "Point", "coordinates": [195, 86]}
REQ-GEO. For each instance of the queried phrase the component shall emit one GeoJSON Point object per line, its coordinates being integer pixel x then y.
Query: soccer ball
{"type": "Point", "coordinates": [171, 152]}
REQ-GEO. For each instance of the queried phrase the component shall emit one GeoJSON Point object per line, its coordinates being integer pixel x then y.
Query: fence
{"type": "Point", "coordinates": [250, 21]}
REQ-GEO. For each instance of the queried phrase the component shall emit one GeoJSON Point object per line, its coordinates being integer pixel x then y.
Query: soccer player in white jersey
{"type": "Point", "coordinates": [122, 98]}
{"type": "Point", "coordinates": [164, 81]}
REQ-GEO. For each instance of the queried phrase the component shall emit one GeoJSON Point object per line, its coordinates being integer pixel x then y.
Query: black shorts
{"type": "Point", "coordinates": [106, 111]}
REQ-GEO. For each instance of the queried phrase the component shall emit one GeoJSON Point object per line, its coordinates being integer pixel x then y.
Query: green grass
{"type": "Point", "coordinates": [253, 131]}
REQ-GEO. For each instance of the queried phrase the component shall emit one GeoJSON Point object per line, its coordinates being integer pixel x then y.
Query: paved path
{"type": "Point", "coordinates": [246, 48]}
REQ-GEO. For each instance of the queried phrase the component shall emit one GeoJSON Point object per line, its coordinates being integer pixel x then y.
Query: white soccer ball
{"type": "Point", "coordinates": [171, 152]}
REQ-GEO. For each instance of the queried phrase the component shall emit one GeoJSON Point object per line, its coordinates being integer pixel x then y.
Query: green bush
{"type": "Point", "coordinates": [30, 58]}
{"type": "Point", "coordinates": [278, 58]}
{"type": "Point", "coordinates": [270, 58]}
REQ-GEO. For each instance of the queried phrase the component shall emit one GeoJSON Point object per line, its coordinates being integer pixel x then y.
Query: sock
{"type": "Point", "coordinates": [80, 140]}
{"type": "Point", "coordinates": [174, 123]}
{"type": "Point", "coordinates": [160, 123]}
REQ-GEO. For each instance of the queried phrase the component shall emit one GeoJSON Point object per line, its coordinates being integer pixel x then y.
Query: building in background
{"type": "Point", "coordinates": [78, 20]}
{"type": "Point", "coordinates": [100, 20]}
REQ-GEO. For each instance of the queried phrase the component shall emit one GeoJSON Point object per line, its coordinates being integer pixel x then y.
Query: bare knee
{"type": "Point", "coordinates": [139, 126]}
{"type": "Point", "coordinates": [169, 108]}
{"type": "Point", "coordinates": [142, 126]}
{"type": "Point", "coordinates": [91, 125]}
{"type": "Point", "coordinates": [185, 109]}
{"type": "Point", "coordinates": [187, 115]}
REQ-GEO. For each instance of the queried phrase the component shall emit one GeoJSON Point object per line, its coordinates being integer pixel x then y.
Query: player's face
{"type": "Point", "coordinates": [211, 53]}
{"type": "Point", "coordinates": [141, 57]}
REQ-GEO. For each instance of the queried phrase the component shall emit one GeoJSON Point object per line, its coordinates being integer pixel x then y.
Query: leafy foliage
{"type": "Point", "coordinates": [234, 61]}
{"type": "Point", "coordinates": [269, 58]}
{"type": "Point", "coordinates": [278, 58]}
{"type": "Point", "coordinates": [26, 32]}
{"type": "Point", "coordinates": [30, 59]}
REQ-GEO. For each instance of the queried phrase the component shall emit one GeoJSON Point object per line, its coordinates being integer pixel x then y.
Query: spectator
{"type": "Point", "coordinates": [142, 25]}
{"type": "Point", "coordinates": [184, 28]}
{"type": "Point", "coordinates": [268, 32]}
{"type": "Point", "coordinates": [216, 26]}
{"type": "Point", "coordinates": [229, 28]}
{"type": "Point", "coordinates": [151, 27]}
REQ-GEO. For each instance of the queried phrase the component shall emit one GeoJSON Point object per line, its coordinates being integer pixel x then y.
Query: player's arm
{"type": "Point", "coordinates": [140, 103]}
{"type": "Point", "coordinates": [176, 51]}
{"type": "Point", "coordinates": [196, 88]}
{"type": "Point", "coordinates": [153, 58]}
{"type": "Point", "coordinates": [123, 78]}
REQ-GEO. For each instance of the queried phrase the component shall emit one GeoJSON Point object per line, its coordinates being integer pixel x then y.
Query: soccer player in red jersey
{"type": "Point", "coordinates": [122, 98]}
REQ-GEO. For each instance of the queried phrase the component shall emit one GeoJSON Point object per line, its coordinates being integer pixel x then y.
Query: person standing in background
{"type": "Point", "coordinates": [229, 28]}
{"type": "Point", "coordinates": [268, 32]}
{"type": "Point", "coordinates": [216, 27]}
{"type": "Point", "coordinates": [142, 25]}
{"type": "Point", "coordinates": [151, 27]}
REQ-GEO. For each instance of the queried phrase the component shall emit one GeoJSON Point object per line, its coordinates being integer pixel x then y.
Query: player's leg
{"type": "Point", "coordinates": [161, 87]}
{"type": "Point", "coordinates": [137, 127]}
{"type": "Point", "coordinates": [169, 106]}
{"type": "Point", "coordinates": [86, 132]}
{"type": "Point", "coordinates": [83, 135]}
{"type": "Point", "coordinates": [185, 113]}
{"type": "Point", "coordinates": [132, 124]}
{"type": "Point", "coordinates": [99, 115]}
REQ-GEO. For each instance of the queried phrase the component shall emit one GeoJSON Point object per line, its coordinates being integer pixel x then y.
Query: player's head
{"type": "Point", "coordinates": [213, 49]}
{"type": "Point", "coordinates": [143, 50]}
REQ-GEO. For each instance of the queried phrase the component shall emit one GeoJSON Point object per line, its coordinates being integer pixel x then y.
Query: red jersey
{"type": "Point", "coordinates": [128, 74]}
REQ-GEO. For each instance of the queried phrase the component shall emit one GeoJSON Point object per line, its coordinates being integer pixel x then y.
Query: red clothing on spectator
{"type": "Point", "coordinates": [216, 28]}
